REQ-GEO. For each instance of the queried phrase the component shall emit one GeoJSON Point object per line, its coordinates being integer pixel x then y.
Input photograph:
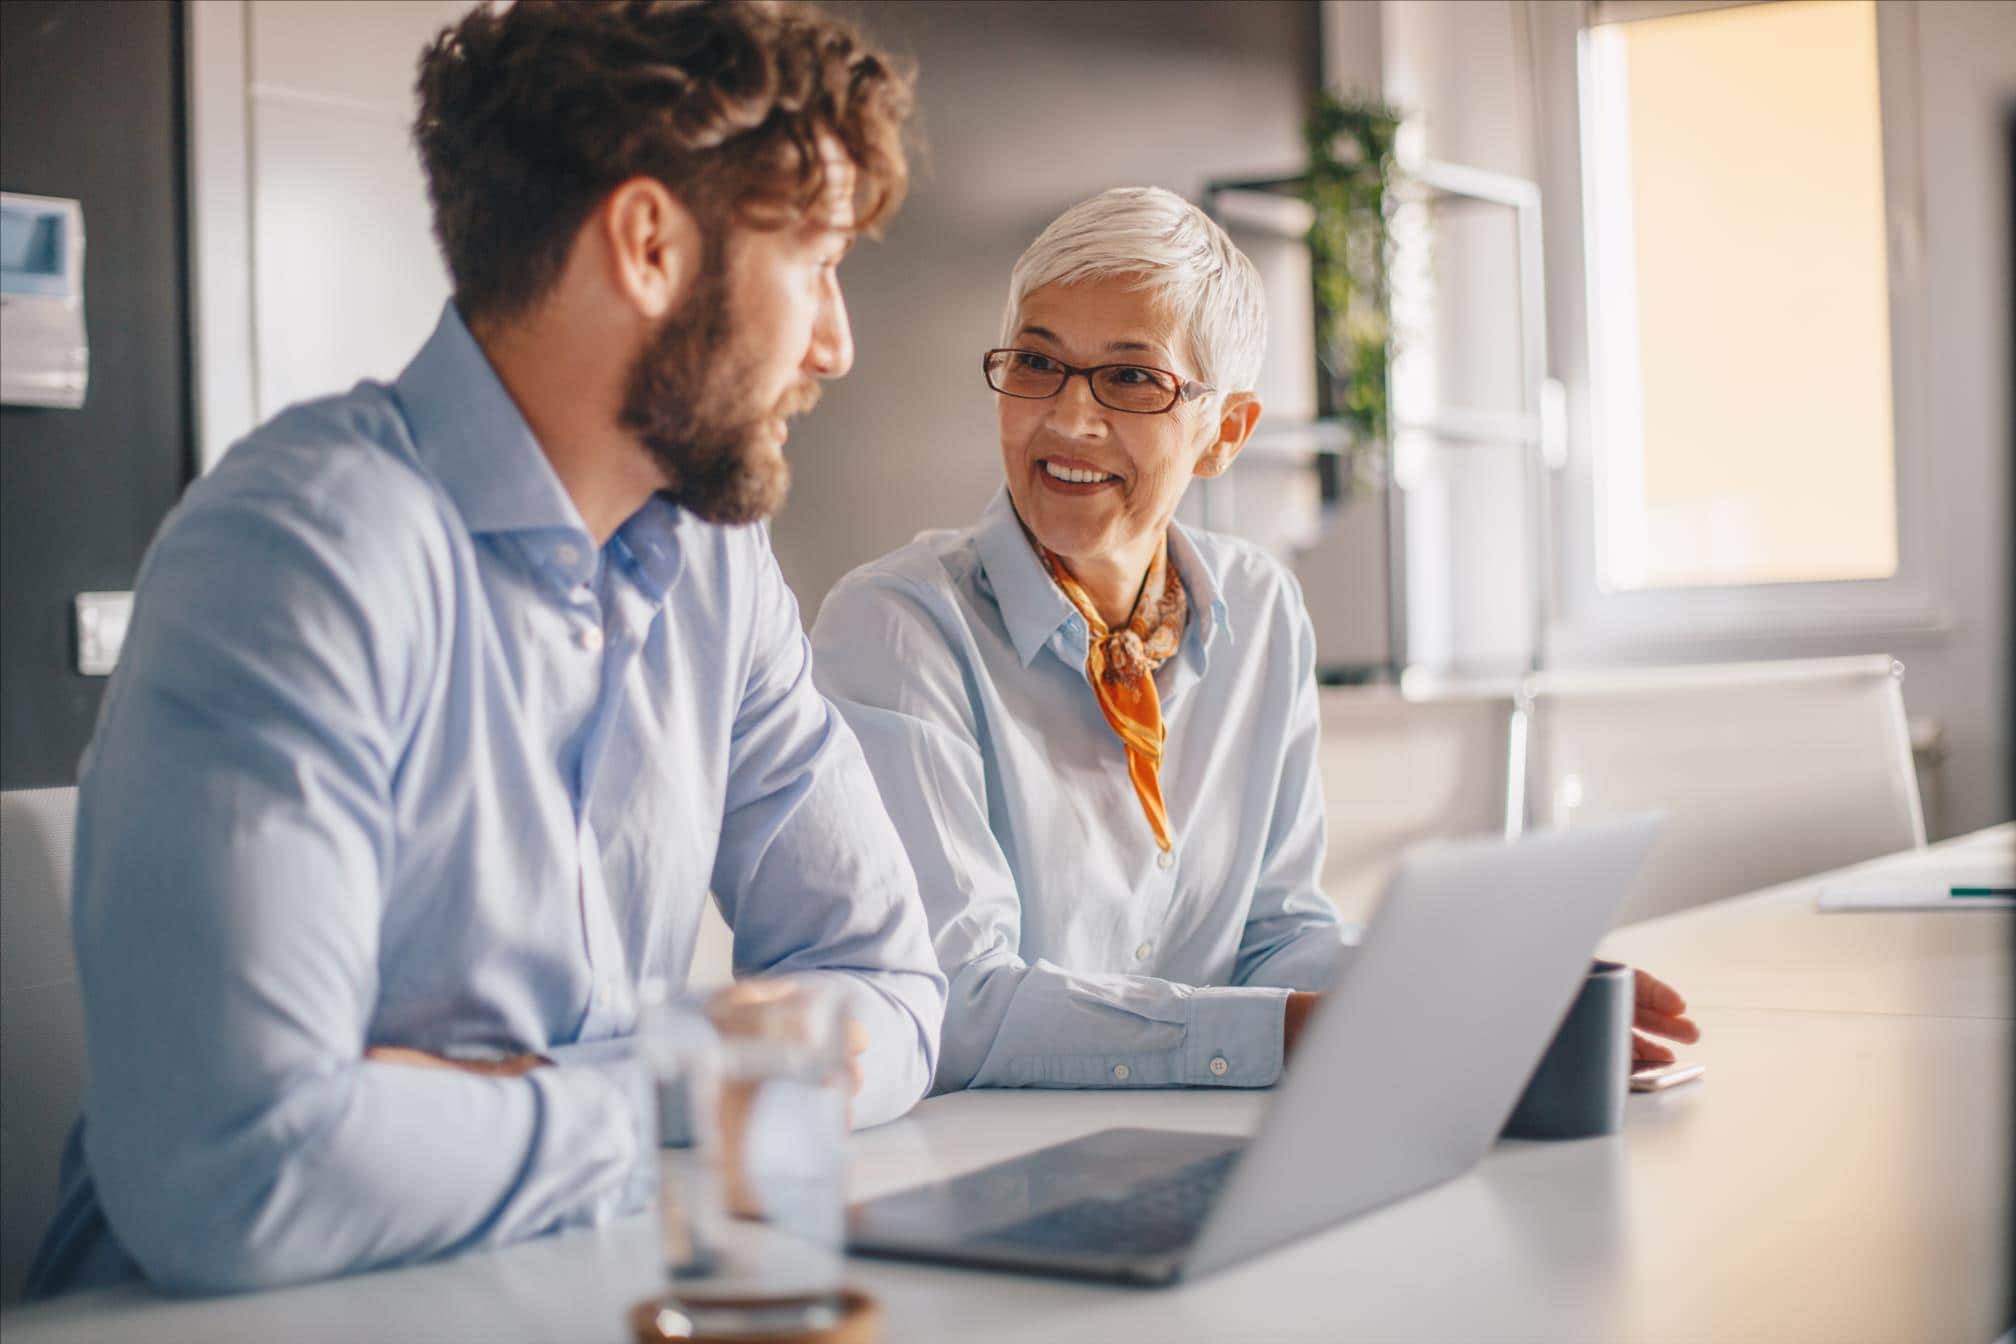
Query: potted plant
{"type": "Point", "coordinates": [1350, 142]}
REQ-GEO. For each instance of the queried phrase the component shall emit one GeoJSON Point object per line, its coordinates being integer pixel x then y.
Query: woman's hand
{"type": "Point", "coordinates": [1661, 1011]}
{"type": "Point", "coordinates": [1301, 1007]}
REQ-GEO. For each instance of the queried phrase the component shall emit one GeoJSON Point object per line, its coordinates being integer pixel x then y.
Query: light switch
{"type": "Point", "coordinates": [101, 630]}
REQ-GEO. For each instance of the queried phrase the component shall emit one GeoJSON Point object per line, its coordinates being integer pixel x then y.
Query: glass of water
{"type": "Point", "coordinates": [754, 1078]}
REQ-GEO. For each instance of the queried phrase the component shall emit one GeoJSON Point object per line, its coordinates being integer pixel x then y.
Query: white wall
{"type": "Point", "coordinates": [1455, 68]}
{"type": "Point", "coordinates": [1967, 71]}
{"type": "Point", "coordinates": [347, 279]}
{"type": "Point", "coordinates": [315, 265]}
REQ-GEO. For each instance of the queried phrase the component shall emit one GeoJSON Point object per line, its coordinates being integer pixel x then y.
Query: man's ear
{"type": "Point", "coordinates": [654, 245]}
{"type": "Point", "coordinates": [1236, 420]}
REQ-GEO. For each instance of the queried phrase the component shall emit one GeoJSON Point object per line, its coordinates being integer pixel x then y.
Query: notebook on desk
{"type": "Point", "coordinates": [1402, 1080]}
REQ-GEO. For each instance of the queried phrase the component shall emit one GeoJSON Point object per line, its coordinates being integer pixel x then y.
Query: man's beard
{"type": "Point", "coordinates": [688, 402]}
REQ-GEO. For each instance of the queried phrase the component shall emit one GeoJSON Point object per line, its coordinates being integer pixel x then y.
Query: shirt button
{"type": "Point", "coordinates": [589, 637]}
{"type": "Point", "coordinates": [1166, 859]}
{"type": "Point", "coordinates": [1121, 1073]}
{"type": "Point", "coordinates": [568, 554]}
{"type": "Point", "coordinates": [1143, 952]}
{"type": "Point", "coordinates": [1218, 1066]}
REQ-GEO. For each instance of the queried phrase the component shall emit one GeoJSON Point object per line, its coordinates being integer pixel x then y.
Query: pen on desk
{"type": "Point", "coordinates": [1985, 891]}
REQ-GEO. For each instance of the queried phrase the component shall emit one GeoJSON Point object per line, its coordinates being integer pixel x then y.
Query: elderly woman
{"type": "Point", "coordinates": [1096, 729]}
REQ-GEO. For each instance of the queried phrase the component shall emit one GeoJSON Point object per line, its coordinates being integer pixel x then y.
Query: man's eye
{"type": "Point", "coordinates": [1034, 363]}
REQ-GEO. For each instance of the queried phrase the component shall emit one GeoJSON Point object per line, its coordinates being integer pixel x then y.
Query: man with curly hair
{"type": "Point", "coordinates": [447, 702]}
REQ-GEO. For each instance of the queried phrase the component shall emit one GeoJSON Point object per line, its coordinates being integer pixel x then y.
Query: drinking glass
{"type": "Point", "coordinates": [755, 1079]}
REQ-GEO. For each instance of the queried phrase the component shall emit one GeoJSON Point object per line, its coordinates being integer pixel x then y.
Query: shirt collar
{"type": "Point", "coordinates": [469, 432]}
{"type": "Point", "coordinates": [651, 540]}
{"type": "Point", "coordinates": [1032, 607]}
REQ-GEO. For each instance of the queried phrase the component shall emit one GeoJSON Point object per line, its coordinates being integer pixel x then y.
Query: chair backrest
{"type": "Point", "coordinates": [1400, 770]}
{"type": "Point", "coordinates": [1769, 771]}
{"type": "Point", "coordinates": [41, 1018]}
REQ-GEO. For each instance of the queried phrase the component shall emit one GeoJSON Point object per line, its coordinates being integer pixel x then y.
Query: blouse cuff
{"type": "Point", "coordinates": [1233, 1037]}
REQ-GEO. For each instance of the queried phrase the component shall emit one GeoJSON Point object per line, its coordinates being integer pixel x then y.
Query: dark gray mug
{"type": "Point", "coordinates": [1579, 1088]}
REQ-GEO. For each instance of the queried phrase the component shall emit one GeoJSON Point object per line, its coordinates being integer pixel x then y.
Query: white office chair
{"type": "Point", "coordinates": [1770, 771]}
{"type": "Point", "coordinates": [41, 1018]}
{"type": "Point", "coordinates": [1400, 770]}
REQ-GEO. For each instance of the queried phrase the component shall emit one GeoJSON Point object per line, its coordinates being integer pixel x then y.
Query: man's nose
{"type": "Point", "coordinates": [832, 351]}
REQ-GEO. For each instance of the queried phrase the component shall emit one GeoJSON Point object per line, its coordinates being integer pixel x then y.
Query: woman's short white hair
{"type": "Point", "coordinates": [1180, 255]}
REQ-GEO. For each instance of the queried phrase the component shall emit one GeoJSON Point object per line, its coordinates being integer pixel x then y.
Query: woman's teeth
{"type": "Point", "coordinates": [1075, 475]}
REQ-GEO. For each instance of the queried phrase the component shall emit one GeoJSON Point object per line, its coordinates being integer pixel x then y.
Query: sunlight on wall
{"type": "Point", "coordinates": [1741, 290]}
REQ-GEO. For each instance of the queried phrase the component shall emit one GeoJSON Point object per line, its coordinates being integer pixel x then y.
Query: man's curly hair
{"type": "Point", "coordinates": [531, 115]}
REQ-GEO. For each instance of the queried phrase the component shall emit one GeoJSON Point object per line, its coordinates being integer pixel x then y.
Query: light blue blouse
{"type": "Point", "coordinates": [1079, 955]}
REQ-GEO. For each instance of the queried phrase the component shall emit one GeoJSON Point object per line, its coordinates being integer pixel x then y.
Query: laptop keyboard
{"type": "Point", "coordinates": [1151, 1219]}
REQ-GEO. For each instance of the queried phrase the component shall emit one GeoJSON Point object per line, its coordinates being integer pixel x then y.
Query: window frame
{"type": "Point", "coordinates": [1738, 620]}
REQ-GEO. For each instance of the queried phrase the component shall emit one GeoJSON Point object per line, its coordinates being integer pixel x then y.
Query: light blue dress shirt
{"type": "Point", "coordinates": [1079, 954]}
{"type": "Point", "coordinates": [397, 755]}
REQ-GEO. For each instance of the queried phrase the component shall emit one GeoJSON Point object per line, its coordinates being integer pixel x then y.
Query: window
{"type": "Point", "coordinates": [1735, 305]}
{"type": "Point", "coordinates": [1739, 305]}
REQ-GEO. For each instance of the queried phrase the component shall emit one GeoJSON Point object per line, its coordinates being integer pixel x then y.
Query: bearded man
{"type": "Point", "coordinates": [446, 703]}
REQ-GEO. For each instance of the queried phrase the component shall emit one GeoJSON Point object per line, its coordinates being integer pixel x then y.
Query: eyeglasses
{"type": "Point", "coordinates": [1136, 389]}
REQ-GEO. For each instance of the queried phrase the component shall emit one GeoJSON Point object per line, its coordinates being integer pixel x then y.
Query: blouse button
{"type": "Point", "coordinates": [1218, 1067]}
{"type": "Point", "coordinates": [589, 637]}
{"type": "Point", "coordinates": [1121, 1073]}
{"type": "Point", "coordinates": [1166, 859]}
{"type": "Point", "coordinates": [1143, 952]}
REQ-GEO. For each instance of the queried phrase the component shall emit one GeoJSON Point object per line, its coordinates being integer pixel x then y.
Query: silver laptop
{"type": "Point", "coordinates": [1401, 1081]}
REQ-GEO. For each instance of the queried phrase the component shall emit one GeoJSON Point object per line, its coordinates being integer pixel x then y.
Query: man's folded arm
{"type": "Point", "coordinates": [811, 875]}
{"type": "Point", "coordinates": [235, 845]}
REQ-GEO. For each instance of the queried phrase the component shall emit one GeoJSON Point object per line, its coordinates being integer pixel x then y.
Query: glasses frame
{"type": "Point", "coordinates": [1187, 389]}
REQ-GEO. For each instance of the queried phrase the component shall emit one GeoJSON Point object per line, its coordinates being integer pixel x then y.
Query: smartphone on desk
{"type": "Point", "coordinates": [1662, 1076]}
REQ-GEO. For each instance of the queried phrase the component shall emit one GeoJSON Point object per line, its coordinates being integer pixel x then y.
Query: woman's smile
{"type": "Point", "coordinates": [1074, 476]}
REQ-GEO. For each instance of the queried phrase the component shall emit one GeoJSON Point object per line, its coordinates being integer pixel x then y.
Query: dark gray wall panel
{"type": "Point", "coordinates": [90, 107]}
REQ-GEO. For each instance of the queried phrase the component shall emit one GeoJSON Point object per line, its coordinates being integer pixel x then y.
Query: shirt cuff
{"type": "Point", "coordinates": [614, 1061]}
{"type": "Point", "coordinates": [1232, 1037]}
{"type": "Point", "coordinates": [896, 1066]}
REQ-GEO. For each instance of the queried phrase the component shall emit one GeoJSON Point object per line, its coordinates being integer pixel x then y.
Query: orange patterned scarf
{"type": "Point", "coordinates": [1121, 666]}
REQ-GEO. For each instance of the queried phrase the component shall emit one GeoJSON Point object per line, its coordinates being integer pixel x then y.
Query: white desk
{"type": "Point", "coordinates": [1843, 1175]}
{"type": "Point", "coordinates": [1772, 950]}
